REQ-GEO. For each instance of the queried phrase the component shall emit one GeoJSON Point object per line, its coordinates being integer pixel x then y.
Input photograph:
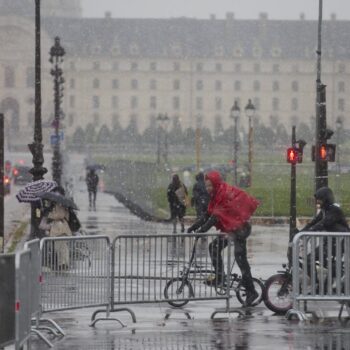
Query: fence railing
{"type": "Point", "coordinates": [321, 269]}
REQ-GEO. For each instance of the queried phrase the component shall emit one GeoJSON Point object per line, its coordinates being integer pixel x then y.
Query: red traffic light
{"type": "Point", "coordinates": [292, 155]}
{"type": "Point", "coordinates": [326, 152]}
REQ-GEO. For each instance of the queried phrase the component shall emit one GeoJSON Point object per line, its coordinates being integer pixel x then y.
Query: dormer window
{"type": "Point", "coordinates": [219, 51]}
{"type": "Point", "coordinates": [134, 50]}
{"type": "Point", "coordinates": [276, 52]}
{"type": "Point", "coordinates": [238, 52]}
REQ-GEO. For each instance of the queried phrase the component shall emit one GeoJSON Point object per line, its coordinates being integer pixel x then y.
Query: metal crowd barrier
{"type": "Point", "coordinates": [144, 266]}
{"type": "Point", "coordinates": [323, 275]}
{"type": "Point", "coordinates": [75, 272]}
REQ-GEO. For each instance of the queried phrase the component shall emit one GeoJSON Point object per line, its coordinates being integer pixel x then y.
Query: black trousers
{"type": "Point", "coordinates": [240, 252]}
{"type": "Point", "coordinates": [92, 197]}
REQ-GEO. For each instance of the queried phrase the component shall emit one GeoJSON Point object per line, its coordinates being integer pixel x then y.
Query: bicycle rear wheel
{"type": "Point", "coordinates": [242, 294]}
{"type": "Point", "coordinates": [178, 288]}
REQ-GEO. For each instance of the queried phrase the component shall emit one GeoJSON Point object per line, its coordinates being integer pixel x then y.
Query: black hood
{"type": "Point", "coordinates": [325, 194]}
{"type": "Point", "coordinates": [200, 177]}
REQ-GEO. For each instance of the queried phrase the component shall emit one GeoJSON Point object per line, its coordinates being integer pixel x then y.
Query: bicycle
{"type": "Point", "coordinates": [182, 285]}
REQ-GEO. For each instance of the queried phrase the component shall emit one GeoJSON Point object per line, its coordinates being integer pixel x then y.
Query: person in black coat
{"type": "Point", "coordinates": [330, 218]}
{"type": "Point", "coordinates": [200, 196]}
{"type": "Point", "coordinates": [177, 194]}
{"type": "Point", "coordinates": [92, 183]}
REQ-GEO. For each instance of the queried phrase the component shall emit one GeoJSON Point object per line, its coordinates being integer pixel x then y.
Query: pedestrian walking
{"type": "Point", "coordinates": [178, 200]}
{"type": "Point", "coordinates": [229, 210]}
{"type": "Point", "coordinates": [200, 196]}
{"type": "Point", "coordinates": [92, 183]}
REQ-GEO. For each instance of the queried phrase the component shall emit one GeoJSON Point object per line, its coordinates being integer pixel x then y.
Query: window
{"type": "Point", "coordinates": [294, 104]}
{"type": "Point", "coordinates": [96, 65]}
{"type": "Point", "coordinates": [199, 103]}
{"type": "Point", "coordinates": [134, 102]}
{"type": "Point", "coordinates": [115, 66]}
{"type": "Point", "coordinates": [96, 119]}
{"type": "Point", "coordinates": [237, 85]}
{"type": "Point", "coordinates": [341, 86]}
{"type": "Point", "coordinates": [134, 84]}
{"type": "Point", "coordinates": [95, 102]}
{"type": "Point", "coordinates": [176, 66]}
{"type": "Point", "coordinates": [115, 101]}
{"type": "Point", "coordinates": [96, 83]}
{"type": "Point", "coordinates": [218, 85]}
{"type": "Point", "coordinates": [341, 68]}
{"type": "Point", "coordinates": [72, 83]}
{"type": "Point", "coordinates": [218, 67]}
{"type": "Point", "coordinates": [30, 79]}
{"type": "Point", "coordinates": [199, 67]}
{"type": "Point", "coordinates": [256, 68]}
{"type": "Point", "coordinates": [238, 67]}
{"type": "Point", "coordinates": [176, 102]}
{"type": "Point", "coordinates": [275, 86]}
{"type": "Point", "coordinates": [153, 102]}
{"type": "Point", "coordinates": [276, 68]}
{"type": "Point", "coordinates": [72, 101]}
{"type": "Point", "coordinates": [9, 77]}
{"type": "Point", "coordinates": [218, 103]}
{"type": "Point", "coordinates": [275, 104]}
{"type": "Point", "coordinates": [176, 84]}
{"type": "Point", "coordinates": [153, 84]}
{"type": "Point", "coordinates": [199, 85]}
{"type": "Point", "coordinates": [115, 84]}
{"type": "Point", "coordinates": [153, 66]}
{"type": "Point", "coordinates": [256, 85]}
{"type": "Point", "coordinates": [70, 119]}
{"type": "Point", "coordinates": [341, 104]}
{"type": "Point", "coordinates": [295, 86]}
{"type": "Point", "coordinates": [134, 66]}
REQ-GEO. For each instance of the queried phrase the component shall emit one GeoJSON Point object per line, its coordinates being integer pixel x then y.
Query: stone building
{"type": "Point", "coordinates": [118, 70]}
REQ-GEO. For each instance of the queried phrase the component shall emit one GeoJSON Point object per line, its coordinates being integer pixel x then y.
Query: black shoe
{"type": "Point", "coordinates": [251, 297]}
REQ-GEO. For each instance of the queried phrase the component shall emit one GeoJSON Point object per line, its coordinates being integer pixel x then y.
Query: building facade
{"type": "Point", "coordinates": [118, 70]}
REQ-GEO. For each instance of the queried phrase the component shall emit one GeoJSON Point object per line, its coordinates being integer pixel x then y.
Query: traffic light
{"type": "Point", "coordinates": [326, 152]}
{"type": "Point", "coordinates": [293, 155]}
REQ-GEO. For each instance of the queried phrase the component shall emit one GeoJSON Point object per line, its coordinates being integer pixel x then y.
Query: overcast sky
{"type": "Point", "coordinates": [277, 9]}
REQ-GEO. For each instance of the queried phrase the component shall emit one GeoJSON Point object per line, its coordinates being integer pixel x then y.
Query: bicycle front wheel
{"type": "Point", "coordinates": [278, 293]}
{"type": "Point", "coordinates": [242, 294]}
{"type": "Point", "coordinates": [179, 291]}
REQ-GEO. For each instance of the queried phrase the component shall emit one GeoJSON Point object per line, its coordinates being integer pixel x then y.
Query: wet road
{"type": "Point", "coordinates": [260, 330]}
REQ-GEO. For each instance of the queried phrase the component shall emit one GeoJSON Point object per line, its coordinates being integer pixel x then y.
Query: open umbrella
{"type": "Point", "coordinates": [29, 193]}
{"type": "Point", "coordinates": [58, 198]}
{"type": "Point", "coordinates": [95, 167]}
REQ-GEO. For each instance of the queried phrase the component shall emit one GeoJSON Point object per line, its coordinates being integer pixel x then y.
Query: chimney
{"type": "Point", "coordinates": [213, 17]}
{"type": "Point", "coordinates": [230, 16]}
{"type": "Point", "coordinates": [263, 16]}
{"type": "Point", "coordinates": [108, 14]}
{"type": "Point", "coordinates": [333, 16]}
{"type": "Point", "coordinates": [302, 16]}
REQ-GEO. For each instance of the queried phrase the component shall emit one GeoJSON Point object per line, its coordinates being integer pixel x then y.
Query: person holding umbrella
{"type": "Point", "coordinates": [92, 183]}
{"type": "Point", "coordinates": [57, 223]}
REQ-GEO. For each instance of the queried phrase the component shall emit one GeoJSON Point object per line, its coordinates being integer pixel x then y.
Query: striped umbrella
{"type": "Point", "coordinates": [30, 192]}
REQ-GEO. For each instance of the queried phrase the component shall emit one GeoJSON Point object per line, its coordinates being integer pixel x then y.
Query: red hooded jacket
{"type": "Point", "coordinates": [231, 206]}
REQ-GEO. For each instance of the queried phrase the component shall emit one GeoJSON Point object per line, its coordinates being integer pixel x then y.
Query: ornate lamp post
{"type": "Point", "coordinates": [199, 122]}
{"type": "Point", "coordinates": [250, 111]}
{"type": "Point", "coordinates": [56, 58]}
{"type": "Point", "coordinates": [36, 148]}
{"type": "Point", "coordinates": [235, 114]}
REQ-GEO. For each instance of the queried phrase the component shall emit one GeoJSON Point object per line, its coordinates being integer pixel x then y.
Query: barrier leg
{"type": "Point", "coordinates": [108, 318]}
{"type": "Point", "coordinates": [42, 337]}
{"type": "Point", "coordinates": [54, 324]}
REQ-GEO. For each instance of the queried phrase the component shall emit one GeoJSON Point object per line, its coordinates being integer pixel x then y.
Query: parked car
{"type": "Point", "coordinates": [21, 174]}
{"type": "Point", "coordinates": [7, 184]}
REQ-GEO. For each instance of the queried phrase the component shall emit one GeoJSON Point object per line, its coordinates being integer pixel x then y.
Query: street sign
{"type": "Point", "coordinates": [55, 139]}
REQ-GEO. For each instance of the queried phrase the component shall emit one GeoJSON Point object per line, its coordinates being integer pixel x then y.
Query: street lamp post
{"type": "Point", "coordinates": [163, 122]}
{"type": "Point", "coordinates": [339, 126]}
{"type": "Point", "coordinates": [36, 148]}
{"type": "Point", "coordinates": [250, 111]}
{"type": "Point", "coordinates": [235, 114]}
{"type": "Point", "coordinates": [56, 58]}
{"type": "Point", "coordinates": [198, 136]}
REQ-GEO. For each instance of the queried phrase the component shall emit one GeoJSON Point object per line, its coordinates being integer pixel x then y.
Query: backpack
{"type": "Point", "coordinates": [73, 222]}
